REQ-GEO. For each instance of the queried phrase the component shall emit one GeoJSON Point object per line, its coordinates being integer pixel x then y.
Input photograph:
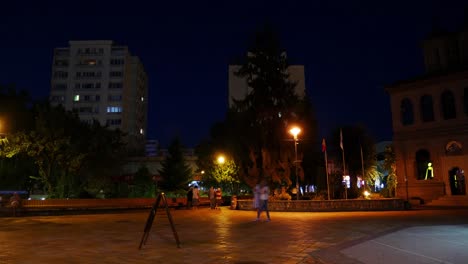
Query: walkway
{"type": "Point", "coordinates": [228, 236]}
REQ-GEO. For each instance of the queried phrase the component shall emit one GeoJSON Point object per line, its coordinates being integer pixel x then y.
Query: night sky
{"type": "Point", "coordinates": [350, 49]}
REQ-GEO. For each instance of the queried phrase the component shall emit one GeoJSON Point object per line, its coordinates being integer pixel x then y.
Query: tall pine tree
{"type": "Point", "coordinates": [266, 112]}
{"type": "Point", "coordinates": [175, 172]}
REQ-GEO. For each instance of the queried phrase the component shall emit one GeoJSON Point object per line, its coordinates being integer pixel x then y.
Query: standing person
{"type": "Point", "coordinates": [256, 200]}
{"type": "Point", "coordinates": [196, 197]}
{"type": "Point", "coordinates": [264, 195]}
{"type": "Point", "coordinates": [219, 197]}
{"type": "Point", "coordinates": [189, 197]}
{"type": "Point", "coordinates": [212, 196]}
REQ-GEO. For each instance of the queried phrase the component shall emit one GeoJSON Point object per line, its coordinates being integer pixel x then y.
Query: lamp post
{"type": "Point", "coordinates": [295, 131]}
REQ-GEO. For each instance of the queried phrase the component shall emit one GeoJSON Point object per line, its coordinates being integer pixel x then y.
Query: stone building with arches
{"type": "Point", "coordinates": [430, 123]}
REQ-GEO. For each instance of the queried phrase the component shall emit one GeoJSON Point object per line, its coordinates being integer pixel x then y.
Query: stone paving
{"type": "Point", "coordinates": [206, 236]}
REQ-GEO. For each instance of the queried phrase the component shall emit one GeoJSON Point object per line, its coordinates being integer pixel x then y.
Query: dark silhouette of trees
{"type": "Point", "coordinates": [143, 184]}
{"type": "Point", "coordinates": [175, 173]}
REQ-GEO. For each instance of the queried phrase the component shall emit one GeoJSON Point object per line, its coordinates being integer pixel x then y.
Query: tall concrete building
{"type": "Point", "coordinates": [102, 81]}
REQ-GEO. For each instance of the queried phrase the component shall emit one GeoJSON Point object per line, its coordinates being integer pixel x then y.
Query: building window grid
{"type": "Point", "coordinates": [88, 74]}
{"type": "Point", "coordinates": [59, 86]}
{"type": "Point", "coordinates": [114, 122]}
{"type": "Point", "coordinates": [114, 97]}
{"type": "Point", "coordinates": [115, 85]}
{"type": "Point", "coordinates": [117, 61]}
{"type": "Point", "coordinates": [116, 74]}
{"type": "Point", "coordinates": [114, 109]}
{"type": "Point", "coordinates": [88, 85]}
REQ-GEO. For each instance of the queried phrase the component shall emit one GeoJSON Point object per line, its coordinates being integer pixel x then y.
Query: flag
{"type": "Point", "coordinates": [324, 145]}
{"type": "Point", "coordinates": [341, 139]}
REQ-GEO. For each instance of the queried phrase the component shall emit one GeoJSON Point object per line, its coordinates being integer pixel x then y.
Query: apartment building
{"type": "Point", "coordinates": [102, 81]}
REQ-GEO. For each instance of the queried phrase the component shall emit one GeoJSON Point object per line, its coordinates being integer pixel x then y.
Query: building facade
{"type": "Point", "coordinates": [430, 123]}
{"type": "Point", "coordinates": [102, 81]}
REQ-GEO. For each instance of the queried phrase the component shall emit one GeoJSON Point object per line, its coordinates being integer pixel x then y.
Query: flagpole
{"type": "Point", "coordinates": [326, 170]}
{"type": "Point", "coordinates": [362, 163]}
{"type": "Point", "coordinates": [344, 166]}
{"type": "Point", "coordinates": [324, 150]}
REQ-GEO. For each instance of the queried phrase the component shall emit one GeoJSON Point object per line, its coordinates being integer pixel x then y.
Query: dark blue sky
{"type": "Point", "coordinates": [350, 50]}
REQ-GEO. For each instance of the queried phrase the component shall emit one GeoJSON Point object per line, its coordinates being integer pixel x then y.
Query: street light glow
{"type": "Point", "coordinates": [295, 131]}
{"type": "Point", "coordinates": [221, 159]}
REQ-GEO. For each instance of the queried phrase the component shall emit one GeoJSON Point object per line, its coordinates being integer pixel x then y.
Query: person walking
{"type": "Point", "coordinates": [264, 195]}
{"type": "Point", "coordinates": [15, 202]}
{"type": "Point", "coordinates": [219, 198]}
{"type": "Point", "coordinates": [212, 196]}
{"type": "Point", "coordinates": [196, 197]}
{"type": "Point", "coordinates": [256, 200]}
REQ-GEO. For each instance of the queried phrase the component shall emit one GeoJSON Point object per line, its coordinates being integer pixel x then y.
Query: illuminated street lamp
{"type": "Point", "coordinates": [221, 159]}
{"type": "Point", "coordinates": [295, 131]}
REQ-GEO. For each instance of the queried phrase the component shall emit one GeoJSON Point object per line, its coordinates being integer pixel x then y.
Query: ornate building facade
{"type": "Point", "coordinates": [430, 123]}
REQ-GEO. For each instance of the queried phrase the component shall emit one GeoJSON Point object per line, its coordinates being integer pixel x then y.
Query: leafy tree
{"type": "Point", "coordinates": [49, 147]}
{"type": "Point", "coordinates": [65, 149]}
{"type": "Point", "coordinates": [222, 174]}
{"type": "Point", "coordinates": [175, 172]}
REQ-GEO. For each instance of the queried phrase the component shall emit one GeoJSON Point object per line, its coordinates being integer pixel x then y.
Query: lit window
{"type": "Point", "coordinates": [76, 98]}
{"type": "Point", "coordinates": [114, 109]}
{"type": "Point", "coordinates": [142, 99]}
{"type": "Point", "coordinates": [141, 131]}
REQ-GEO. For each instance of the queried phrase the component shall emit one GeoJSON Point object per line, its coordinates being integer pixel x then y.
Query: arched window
{"type": "Point", "coordinates": [406, 109]}
{"type": "Point", "coordinates": [424, 165]}
{"type": "Point", "coordinates": [465, 100]}
{"type": "Point", "coordinates": [448, 105]}
{"type": "Point", "coordinates": [427, 109]}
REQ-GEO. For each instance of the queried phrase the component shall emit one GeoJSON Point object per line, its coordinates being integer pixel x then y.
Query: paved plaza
{"type": "Point", "coordinates": [231, 236]}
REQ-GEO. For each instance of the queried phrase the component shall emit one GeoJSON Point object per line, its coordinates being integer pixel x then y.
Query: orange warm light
{"type": "Point", "coordinates": [221, 159]}
{"type": "Point", "coordinates": [295, 131]}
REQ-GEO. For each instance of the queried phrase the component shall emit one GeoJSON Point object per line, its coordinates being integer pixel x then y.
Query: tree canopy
{"type": "Point", "coordinates": [71, 157]}
{"type": "Point", "coordinates": [255, 130]}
